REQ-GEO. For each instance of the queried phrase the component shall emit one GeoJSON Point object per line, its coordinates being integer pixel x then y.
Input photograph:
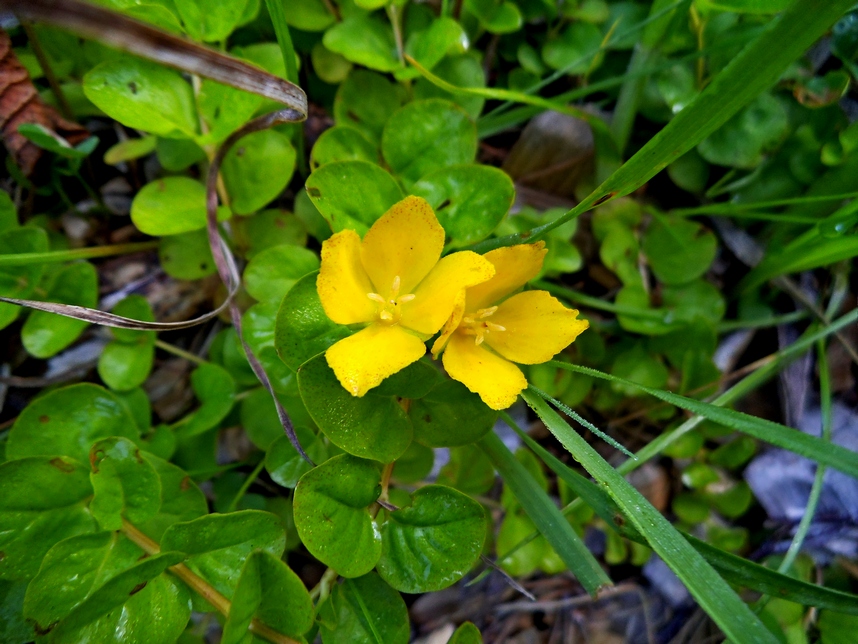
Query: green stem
{"type": "Point", "coordinates": [176, 351]}
{"type": "Point", "coordinates": [233, 505]}
{"type": "Point", "coordinates": [57, 256]}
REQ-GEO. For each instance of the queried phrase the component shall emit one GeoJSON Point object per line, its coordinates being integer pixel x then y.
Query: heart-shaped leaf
{"type": "Point", "coordinates": [432, 543]}
{"type": "Point", "coordinates": [332, 515]}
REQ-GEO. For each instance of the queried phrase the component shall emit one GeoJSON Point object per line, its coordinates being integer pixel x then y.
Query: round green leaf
{"type": "Point", "coordinates": [45, 334]}
{"type": "Point", "coordinates": [364, 610]}
{"type": "Point", "coordinates": [342, 143]}
{"type": "Point", "coordinates": [434, 542]}
{"type": "Point", "coordinates": [269, 228]}
{"type": "Point", "coordinates": [186, 256]}
{"type": "Point", "coordinates": [496, 16]}
{"type": "Point", "coordinates": [142, 95]}
{"type": "Point", "coordinates": [181, 499]}
{"type": "Point", "coordinates": [125, 484]}
{"type": "Point", "coordinates": [125, 363]}
{"type": "Point", "coordinates": [576, 50]}
{"type": "Point", "coordinates": [365, 101]}
{"type": "Point", "coordinates": [364, 39]}
{"type": "Point", "coordinates": [467, 633]}
{"type": "Point", "coordinates": [258, 327]}
{"type": "Point", "coordinates": [68, 421]}
{"type": "Point", "coordinates": [176, 155]}
{"type": "Point", "coordinates": [308, 15]}
{"type": "Point", "coordinates": [469, 470]}
{"type": "Point", "coordinates": [429, 46]}
{"type": "Point", "coordinates": [463, 71]}
{"type": "Point", "coordinates": [210, 21]}
{"type": "Point", "coordinates": [271, 592]}
{"type": "Point", "coordinates": [271, 273]}
{"type": "Point", "coordinates": [352, 194]}
{"type": "Point", "coordinates": [19, 281]}
{"type": "Point", "coordinates": [330, 67]}
{"type": "Point", "coordinates": [742, 140]}
{"type": "Point", "coordinates": [44, 501]}
{"type": "Point", "coordinates": [215, 389]}
{"type": "Point", "coordinates": [285, 465]}
{"type": "Point", "coordinates": [639, 366]}
{"type": "Point", "coordinates": [469, 200]}
{"type": "Point", "coordinates": [678, 250]}
{"type": "Point", "coordinates": [415, 464]}
{"type": "Point", "coordinates": [257, 169]}
{"type": "Point", "coordinates": [219, 544]}
{"type": "Point", "coordinates": [332, 517]}
{"type": "Point", "coordinates": [130, 149]}
{"type": "Point", "coordinates": [427, 135]}
{"type": "Point", "coordinates": [170, 206]}
{"type": "Point", "coordinates": [374, 426]}
{"type": "Point", "coordinates": [450, 415]}
{"type": "Point", "coordinates": [302, 329]}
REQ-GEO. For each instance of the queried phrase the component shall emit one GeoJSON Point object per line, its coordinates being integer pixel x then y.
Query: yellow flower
{"type": "Point", "coordinates": [394, 283]}
{"type": "Point", "coordinates": [487, 334]}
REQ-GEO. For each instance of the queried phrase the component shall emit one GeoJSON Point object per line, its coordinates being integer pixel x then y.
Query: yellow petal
{"type": "Point", "coordinates": [451, 325]}
{"type": "Point", "coordinates": [514, 266]}
{"type": "Point", "coordinates": [405, 242]}
{"type": "Point", "coordinates": [343, 283]}
{"type": "Point", "coordinates": [536, 327]}
{"type": "Point", "coordinates": [361, 361]}
{"type": "Point", "coordinates": [436, 296]}
{"type": "Point", "coordinates": [497, 381]}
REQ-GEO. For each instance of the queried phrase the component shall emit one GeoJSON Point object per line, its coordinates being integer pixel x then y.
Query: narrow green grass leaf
{"type": "Point", "coordinates": [284, 39]}
{"type": "Point", "coordinates": [734, 569]}
{"type": "Point", "coordinates": [757, 67]}
{"type": "Point", "coordinates": [547, 517]}
{"type": "Point", "coordinates": [793, 440]}
{"type": "Point", "coordinates": [710, 590]}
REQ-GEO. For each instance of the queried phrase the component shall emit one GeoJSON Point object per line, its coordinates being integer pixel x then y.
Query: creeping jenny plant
{"type": "Point", "coordinates": [395, 283]}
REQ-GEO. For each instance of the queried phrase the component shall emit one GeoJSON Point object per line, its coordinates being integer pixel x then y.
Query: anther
{"type": "Point", "coordinates": [487, 312]}
{"type": "Point", "coordinates": [406, 298]}
{"type": "Point", "coordinates": [479, 339]}
{"type": "Point", "coordinates": [495, 327]}
{"type": "Point", "coordinates": [386, 315]}
{"type": "Point", "coordinates": [396, 284]}
{"type": "Point", "coordinates": [375, 297]}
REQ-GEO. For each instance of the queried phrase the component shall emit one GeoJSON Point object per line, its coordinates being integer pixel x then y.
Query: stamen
{"type": "Point", "coordinates": [396, 284]}
{"type": "Point", "coordinates": [479, 339]}
{"type": "Point", "coordinates": [386, 315]}
{"type": "Point", "coordinates": [468, 320]}
{"type": "Point", "coordinates": [375, 297]}
{"type": "Point", "coordinates": [406, 298]}
{"type": "Point", "coordinates": [487, 312]}
{"type": "Point", "coordinates": [495, 327]}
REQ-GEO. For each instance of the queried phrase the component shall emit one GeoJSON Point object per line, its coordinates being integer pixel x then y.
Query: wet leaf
{"type": "Point", "coordinates": [44, 501]}
{"type": "Point", "coordinates": [365, 609]}
{"type": "Point", "coordinates": [332, 515]}
{"type": "Point", "coordinates": [67, 421]}
{"type": "Point", "coordinates": [432, 543]}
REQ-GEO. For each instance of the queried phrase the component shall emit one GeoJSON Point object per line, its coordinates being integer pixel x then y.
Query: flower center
{"type": "Point", "coordinates": [477, 324]}
{"type": "Point", "coordinates": [389, 309]}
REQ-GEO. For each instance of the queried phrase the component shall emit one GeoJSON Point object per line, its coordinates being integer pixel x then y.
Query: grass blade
{"type": "Point", "coordinates": [793, 440]}
{"type": "Point", "coordinates": [547, 517]}
{"type": "Point", "coordinates": [710, 590]}
{"type": "Point", "coordinates": [733, 568]}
